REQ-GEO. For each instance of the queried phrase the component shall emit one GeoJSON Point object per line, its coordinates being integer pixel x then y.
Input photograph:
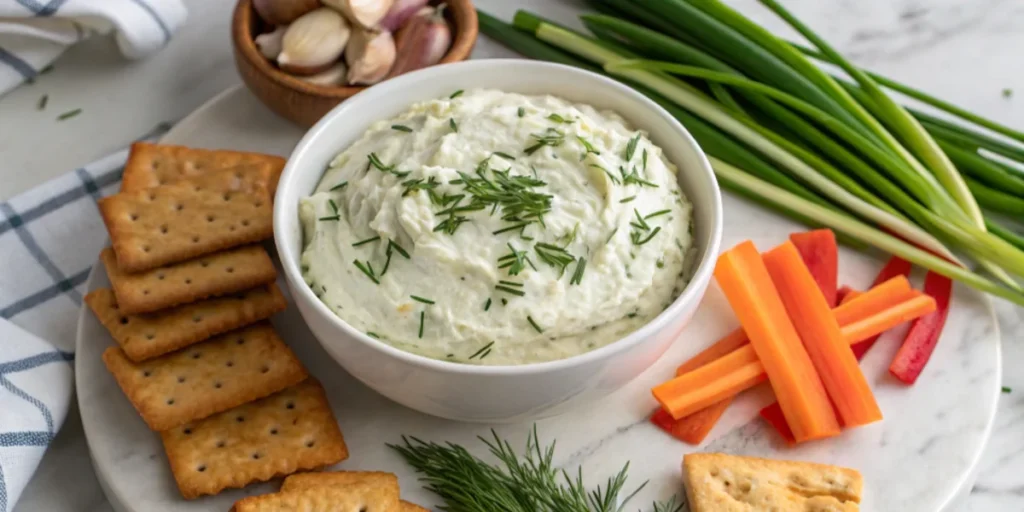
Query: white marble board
{"type": "Point", "coordinates": [916, 460]}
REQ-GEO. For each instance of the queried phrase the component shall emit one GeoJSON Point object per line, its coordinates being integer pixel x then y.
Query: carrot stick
{"type": "Point", "coordinates": [853, 333]}
{"type": "Point", "coordinates": [819, 252]}
{"type": "Point", "coordinates": [809, 311]}
{"type": "Point", "coordinates": [896, 266]}
{"type": "Point", "coordinates": [724, 346]}
{"type": "Point", "coordinates": [742, 275]}
{"type": "Point", "coordinates": [846, 293]}
{"type": "Point", "coordinates": [711, 383]}
{"type": "Point", "coordinates": [875, 300]}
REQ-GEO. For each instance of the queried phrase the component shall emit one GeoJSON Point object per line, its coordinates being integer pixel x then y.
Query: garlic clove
{"type": "Point", "coordinates": [365, 13]}
{"type": "Point", "coordinates": [313, 42]}
{"type": "Point", "coordinates": [399, 13]}
{"type": "Point", "coordinates": [270, 43]}
{"type": "Point", "coordinates": [370, 55]}
{"type": "Point", "coordinates": [335, 75]}
{"type": "Point", "coordinates": [423, 41]}
{"type": "Point", "coordinates": [283, 12]}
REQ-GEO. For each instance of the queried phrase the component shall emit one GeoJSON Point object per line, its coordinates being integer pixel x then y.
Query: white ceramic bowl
{"type": "Point", "coordinates": [494, 393]}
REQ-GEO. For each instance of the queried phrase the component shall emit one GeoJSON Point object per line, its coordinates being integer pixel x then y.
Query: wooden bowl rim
{"type": "Point", "coordinates": [465, 35]}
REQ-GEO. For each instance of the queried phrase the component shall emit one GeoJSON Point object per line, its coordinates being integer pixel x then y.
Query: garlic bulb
{"type": "Point", "coordinates": [370, 56]}
{"type": "Point", "coordinates": [283, 12]}
{"type": "Point", "coordinates": [423, 41]}
{"type": "Point", "coordinates": [365, 13]}
{"type": "Point", "coordinates": [401, 11]}
{"type": "Point", "coordinates": [313, 42]}
{"type": "Point", "coordinates": [270, 43]}
{"type": "Point", "coordinates": [335, 75]}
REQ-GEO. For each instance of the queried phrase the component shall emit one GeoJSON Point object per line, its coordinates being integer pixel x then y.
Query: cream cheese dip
{"type": "Point", "coordinates": [497, 228]}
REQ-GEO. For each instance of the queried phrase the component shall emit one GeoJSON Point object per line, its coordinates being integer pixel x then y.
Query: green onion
{"type": "Point", "coordinates": [534, 324]}
{"type": "Point", "coordinates": [421, 299]}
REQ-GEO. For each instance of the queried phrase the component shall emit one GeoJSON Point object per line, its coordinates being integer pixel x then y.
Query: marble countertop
{"type": "Point", "coordinates": [966, 51]}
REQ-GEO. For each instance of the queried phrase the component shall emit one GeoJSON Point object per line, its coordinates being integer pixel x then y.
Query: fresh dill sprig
{"type": "Point", "coordinates": [588, 148]}
{"type": "Point", "coordinates": [419, 184]}
{"type": "Point", "coordinates": [577, 275]}
{"type": "Point", "coordinates": [553, 255]}
{"type": "Point", "coordinates": [631, 147]}
{"type": "Point", "coordinates": [632, 178]}
{"type": "Point", "coordinates": [515, 261]}
{"type": "Point", "coordinates": [530, 482]}
{"type": "Point", "coordinates": [550, 137]}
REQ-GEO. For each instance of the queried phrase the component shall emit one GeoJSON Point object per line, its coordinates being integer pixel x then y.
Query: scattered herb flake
{"type": "Point", "coordinates": [588, 148]}
{"type": "Point", "coordinates": [69, 114]}
{"type": "Point", "coordinates": [611, 176]}
{"type": "Point", "coordinates": [487, 305]}
{"type": "Point", "coordinates": [46, 70]}
{"type": "Point", "coordinates": [657, 213]}
{"type": "Point", "coordinates": [43, 100]}
{"type": "Point", "coordinates": [509, 290]}
{"type": "Point", "coordinates": [482, 349]}
{"type": "Point", "coordinates": [332, 217]}
{"type": "Point", "coordinates": [339, 186]}
{"type": "Point", "coordinates": [372, 334]}
{"type": "Point", "coordinates": [631, 147]}
{"type": "Point", "coordinates": [451, 123]}
{"type": "Point", "coordinates": [628, 199]}
{"type": "Point", "coordinates": [401, 128]}
{"type": "Point", "coordinates": [334, 206]}
{"type": "Point", "coordinates": [421, 299]}
{"type": "Point", "coordinates": [1007, 390]}
{"type": "Point", "coordinates": [504, 155]}
{"type": "Point", "coordinates": [577, 276]}
{"type": "Point", "coordinates": [397, 248]}
{"type": "Point", "coordinates": [368, 240]}
{"type": "Point", "coordinates": [641, 241]}
{"type": "Point", "coordinates": [422, 314]}
{"type": "Point", "coordinates": [551, 137]}
{"type": "Point", "coordinates": [1007, 92]}
{"type": "Point", "coordinates": [522, 111]}
{"type": "Point", "coordinates": [367, 269]}
{"type": "Point", "coordinates": [534, 324]}
{"type": "Point", "coordinates": [516, 261]}
{"type": "Point", "coordinates": [553, 255]}
{"type": "Point", "coordinates": [456, 94]}
{"type": "Point", "coordinates": [504, 302]}
{"type": "Point", "coordinates": [645, 159]}
{"type": "Point", "coordinates": [559, 119]}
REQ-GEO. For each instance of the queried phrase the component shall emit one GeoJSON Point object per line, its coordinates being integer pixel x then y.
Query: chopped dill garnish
{"type": "Point", "coordinates": [339, 186]}
{"type": "Point", "coordinates": [504, 155]}
{"type": "Point", "coordinates": [482, 350]}
{"type": "Point", "coordinates": [456, 94]}
{"type": "Point", "coordinates": [551, 137]}
{"type": "Point", "coordinates": [534, 324]}
{"type": "Point", "coordinates": [657, 213]}
{"type": "Point", "coordinates": [515, 261]}
{"type": "Point", "coordinates": [451, 123]}
{"type": "Point", "coordinates": [631, 147]}
{"type": "Point", "coordinates": [401, 128]}
{"type": "Point", "coordinates": [367, 268]}
{"type": "Point", "coordinates": [559, 119]}
{"type": "Point", "coordinates": [640, 241]}
{"type": "Point", "coordinates": [487, 305]}
{"type": "Point", "coordinates": [588, 147]}
{"type": "Point", "coordinates": [422, 314]}
{"type": "Point", "coordinates": [634, 178]}
{"type": "Point", "coordinates": [521, 112]}
{"type": "Point", "coordinates": [514, 291]}
{"type": "Point", "coordinates": [331, 217]}
{"type": "Point", "coordinates": [421, 299]}
{"type": "Point", "coordinates": [577, 276]}
{"type": "Point", "coordinates": [334, 206]}
{"type": "Point", "coordinates": [611, 176]}
{"type": "Point", "coordinates": [368, 240]}
{"type": "Point", "coordinates": [372, 334]}
{"type": "Point", "coordinates": [553, 255]}
{"type": "Point", "coordinates": [628, 199]}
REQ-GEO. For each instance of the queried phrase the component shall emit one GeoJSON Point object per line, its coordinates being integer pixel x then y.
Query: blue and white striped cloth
{"type": "Point", "coordinates": [50, 238]}
{"type": "Point", "coordinates": [33, 33]}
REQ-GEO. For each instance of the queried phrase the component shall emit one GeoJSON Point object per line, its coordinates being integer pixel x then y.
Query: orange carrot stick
{"type": "Point", "coordinates": [875, 300]}
{"type": "Point", "coordinates": [742, 275]}
{"type": "Point", "coordinates": [809, 311]}
{"type": "Point", "coordinates": [710, 383]}
{"type": "Point", "coordinates": [722, 347]}
{"type": "Point", "coordinates": [860, 330]}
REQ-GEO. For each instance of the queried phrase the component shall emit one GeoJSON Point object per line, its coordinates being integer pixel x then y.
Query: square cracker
{"type": "Point", "coordinates": [150, 335]}
{"type": "Point", "coordinates": [173, 223]}
{"type": "Point", "coordinates": [290, 431]}
{"type": "Point", "coordinates": [217, 274]}
{"type": "Point", "coordinates": [716, 482]}
{"type": "Point", "coordinates": [355, 498]}
{"type": "Point", "coordinates": [302, 481]}
{"type": "Point", "coordinates": [151, 165]}
{"type": "Point", "coordinates": [207, 378]}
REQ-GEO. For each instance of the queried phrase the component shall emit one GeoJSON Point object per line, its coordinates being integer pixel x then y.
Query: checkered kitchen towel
{"type": "Point", "coordinates": [33, 33]}
{"type": "Point", "coordinates": [50, 238]}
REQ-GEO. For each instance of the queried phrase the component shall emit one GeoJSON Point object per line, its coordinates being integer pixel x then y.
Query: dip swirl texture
{"type": "Point", "coordinates": [498, 228]}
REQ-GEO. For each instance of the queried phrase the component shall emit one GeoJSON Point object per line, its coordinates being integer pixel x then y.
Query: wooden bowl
{"type": "Point", "coordinates": [302, 102]}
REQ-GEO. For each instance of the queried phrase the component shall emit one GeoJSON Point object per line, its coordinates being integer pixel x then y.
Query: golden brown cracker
{"type": "Point", "coordinates": [173, 223]}
{"type": "Point", "coordinates": [210, 377]}
{"type": "Point", "coordinates": [356, 498]}
{"type": "Point", "coordinates": [717, 482]}
{"type": "Point", "coordinates": [303, 481]}
{"type": "Point", "coordinates": [217, 274]}
{"type": "Point", "coordinates": [151, 165]}
{"type": "Point", "coordinates": [290, 431]}
{"type": "Point", "coordinates": [405, 506]}
{"type": "Point", "coordinates": [150, 335]}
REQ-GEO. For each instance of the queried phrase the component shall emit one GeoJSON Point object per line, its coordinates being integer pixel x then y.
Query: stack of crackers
{"type": "Point", "coordinates": [191, 291]}
{"type": "Point", "coordinates": [342, 491]}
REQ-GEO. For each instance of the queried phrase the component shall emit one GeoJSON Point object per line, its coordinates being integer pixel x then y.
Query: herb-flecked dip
{"type": "Point", "coordinates": [497, 228]}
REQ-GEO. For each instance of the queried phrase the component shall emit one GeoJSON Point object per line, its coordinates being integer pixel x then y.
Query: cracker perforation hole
{"type": "Point", "coordinates": [179, 207]}
{"type": "Point", "coordinates": [160, 276]}
{"type": "Point", "coordinates": [229, 364]}
{"type": "Point", "coordinates": [195, 239]}
{"type": "Point", "coordinates": [197, 319]}
{"type": "Point", "coordinates": [231, 227]}
{"type": "Point", "coordinates": [290, 405]}
{"type": "Point", "coordinates": [150, 336]}
{"type": "Point", "coordinates": [245, 222]}
{"type": "Point", "coordinates": [201, 469]}
{"type": "Point", "coordinates": [227, 196]}
{"type": "Point", "coordinates": [273, 431]}
{"type": "Point", "coordinates": [240, 341]}
{"type": "Point", "coordinates": [145, 248]}
{"type": "Point", "coordinates": [146, 373]}
{"type": "Point", "coordinates": [170, 401]}
{"type": "Point", "coordinates": [204, 264]}
{"type": "Point", "coordinates": [197, 355]}
{"type": "Point", "coordinates": [187, 431]}
{"type": "Point", "coordinates": [181, 380]}
{"type": "Point", "coordinates": [229, 270]}
{"type": "Point", "coordinates": [133, 217]}
{"type": "Point", "coordinates": [217, 385]}
{"type": "Point", "coordinates": [256, 456]}
{"type": "Point", "coordinates": [146, 291]}
{"type": "Point", "coordinates": [240, 419]}
{"type": "Point", "coordinates": [310, 443]}
{"type": "Point", "coordinates": [265, 369]}
{"type": "Point", "coordinates": [188, 280]}
{"type": "Point", "coordinates": [221, 444]}
{"type": "Point", "coordinates": [124, 320]}
{"type": "Point", "coordinates": [210, 218]}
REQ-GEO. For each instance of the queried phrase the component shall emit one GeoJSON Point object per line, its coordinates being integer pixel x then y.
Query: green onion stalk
{"type": "Point", "coordinates": [736, 125]}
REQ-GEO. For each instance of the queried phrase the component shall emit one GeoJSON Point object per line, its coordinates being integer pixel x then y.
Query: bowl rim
{"type": "Point", "coordinates": [701, 272]}
{"type": "Point", "coordinates": [464, 36]}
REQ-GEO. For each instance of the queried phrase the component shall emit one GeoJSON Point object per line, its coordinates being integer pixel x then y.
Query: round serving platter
{"type": "Point", "coordinates": [918, 459]}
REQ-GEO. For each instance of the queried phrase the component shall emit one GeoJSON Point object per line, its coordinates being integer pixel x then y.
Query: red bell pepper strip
{"type": "Point", "coordinates": [844, 292]}
{"type": "Point", "coordinates": [924, 333]}
{"type": "Point", "coordinates": [894, 267]}
{"type": "Point", "coordinates": [820, 253]}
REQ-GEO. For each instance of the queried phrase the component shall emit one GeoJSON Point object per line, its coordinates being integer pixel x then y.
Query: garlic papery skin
{"type": "Point", "coordinates": [370, 56]}
{"type": "Point", "coordinates": [335, 75]}
{"type": "Point", "coordinates": [423, 41]}
{"type": "Point", "coordinates": [314, 42]}
{"type": "Point", "coordinates": [270, 43]}
{"type": "Point", "coordinates": [399, 13]}
{"type": "Point", "coordinates": [365, 13]}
